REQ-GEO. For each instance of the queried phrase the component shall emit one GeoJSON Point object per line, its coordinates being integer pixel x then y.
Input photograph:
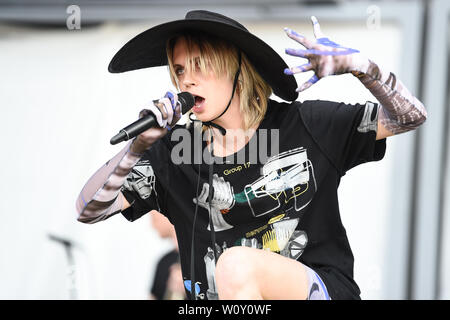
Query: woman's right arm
{"type": "Point", "coordinates": [101, 197]}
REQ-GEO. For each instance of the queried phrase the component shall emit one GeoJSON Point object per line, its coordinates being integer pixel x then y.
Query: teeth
{"type": "Point", "coordinates": [198, 100]}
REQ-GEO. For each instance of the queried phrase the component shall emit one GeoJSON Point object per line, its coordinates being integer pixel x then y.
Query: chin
{"type": "Point", "coordinates": [203, 117]}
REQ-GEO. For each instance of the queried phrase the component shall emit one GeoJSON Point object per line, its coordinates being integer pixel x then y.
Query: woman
{"type": "Point", "coordinates": [284, 203]}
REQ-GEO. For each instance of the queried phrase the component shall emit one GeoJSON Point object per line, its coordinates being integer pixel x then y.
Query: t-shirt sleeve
{"type": "Point", "coordinates": [346, 133]}
{"type": "Point", "coordinates": [143, 187]}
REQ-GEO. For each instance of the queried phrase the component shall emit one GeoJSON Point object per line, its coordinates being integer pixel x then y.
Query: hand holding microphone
{"type": "Point", "coordinates": [160, 116]}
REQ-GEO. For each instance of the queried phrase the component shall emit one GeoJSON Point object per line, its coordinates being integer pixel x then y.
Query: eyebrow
{"type": "Point", "coordinates": [176, 65]}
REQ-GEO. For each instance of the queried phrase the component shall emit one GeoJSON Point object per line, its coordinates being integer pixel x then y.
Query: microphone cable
{"type": "Point", "coordinates": [210, 181]}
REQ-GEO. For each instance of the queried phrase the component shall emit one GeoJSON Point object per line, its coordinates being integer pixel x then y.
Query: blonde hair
{"type": "Point", "coordinates": [222, 57]}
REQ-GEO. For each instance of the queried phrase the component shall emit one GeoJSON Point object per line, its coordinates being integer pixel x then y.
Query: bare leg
{"type": "Point", "coordinates": [249, 274]}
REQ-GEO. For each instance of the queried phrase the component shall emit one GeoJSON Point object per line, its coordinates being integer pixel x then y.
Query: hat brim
{"type": "Point", "coordinates": [148, 49]}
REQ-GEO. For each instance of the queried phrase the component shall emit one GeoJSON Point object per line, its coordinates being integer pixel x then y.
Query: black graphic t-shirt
{"type": "Point", "coordinates": [283, 200]}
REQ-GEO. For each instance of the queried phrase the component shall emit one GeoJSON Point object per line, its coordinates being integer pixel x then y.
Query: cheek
{"type": "Point", "coordinates": [180, 85]}
{"type": "Point", "coordinates": [225, 93]}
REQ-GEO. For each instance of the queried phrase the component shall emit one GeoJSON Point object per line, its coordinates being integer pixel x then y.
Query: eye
{"type": "Point", "coordinates": [197, 62]}
{"type": "Point", "coordinates": [179, 71]}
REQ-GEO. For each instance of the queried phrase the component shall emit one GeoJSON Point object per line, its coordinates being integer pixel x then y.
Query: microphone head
{"type": "Point", "coordinates": [186, 100]}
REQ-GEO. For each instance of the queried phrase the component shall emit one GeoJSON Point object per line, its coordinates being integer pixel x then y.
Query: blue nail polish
{"type": "Point", "coordinates": [288, 72]}
{"type": "Point", "coordinates": [292, 32]}
{"type": "Point", "coordinates": [296, 34]}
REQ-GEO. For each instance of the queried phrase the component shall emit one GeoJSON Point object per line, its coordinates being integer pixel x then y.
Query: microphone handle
{"type": "Point", "coordinates": [135, 129]}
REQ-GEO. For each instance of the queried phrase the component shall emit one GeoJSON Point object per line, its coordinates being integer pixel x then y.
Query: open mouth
{"type": "Point", "coordinates": [198, 100]}
{"type": "Point", "coordinates": [199, 103]}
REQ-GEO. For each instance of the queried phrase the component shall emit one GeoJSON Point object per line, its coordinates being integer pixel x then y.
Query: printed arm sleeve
{"type": "Point", "coordinates": [400, 110]}
{"type": "Point", "coordinates": [100, 198]}
{"type": "Point", "coordinates": [345, 133]}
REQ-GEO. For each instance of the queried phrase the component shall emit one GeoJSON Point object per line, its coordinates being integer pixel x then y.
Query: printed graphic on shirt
{"type": "Point", "coordinates": [291, 174]}
{"type": "Point", "coordinates": [222, 202]}
{"type": "Point", "coordinates": [281, 237]}
{"type": "Point", "coordinates": [141, 179]}
{"type": "Point", "coordinates": [210, 265]}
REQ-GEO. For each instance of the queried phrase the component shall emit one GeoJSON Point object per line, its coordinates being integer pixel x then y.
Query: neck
{"type": "Point", "coordinates": [236, 137]}
{"type": "Point", "coordinates": [232, 118]}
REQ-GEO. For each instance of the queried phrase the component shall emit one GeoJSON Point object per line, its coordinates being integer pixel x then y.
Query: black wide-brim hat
{"type": "Point", "coordinates": [148, 49]}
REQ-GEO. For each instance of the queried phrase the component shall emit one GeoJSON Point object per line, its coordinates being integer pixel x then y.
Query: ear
{"type": "Point", "coordinates": [239, 87]}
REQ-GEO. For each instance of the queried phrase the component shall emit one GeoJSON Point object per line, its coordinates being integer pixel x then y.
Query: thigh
{"type": "Point", "coordinates": [316, 288]}
{"type": "Point", "coordinates": [275, 276]}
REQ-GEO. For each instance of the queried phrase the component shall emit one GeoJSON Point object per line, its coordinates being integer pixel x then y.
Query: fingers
{"type": "Point", "coordinates": [144, 113]}
{"type": "Point", "coordinates": [327, 42]}
{"type": "Point", "coordinates": [219, 183]}
{"type": "Point", "coordinates": [201, 199]}
{"type": "Point", "coordinates": [303, 68]}
{"type": "Point", "coordinates": [205, 192]}
{"type": "Point", "coordinates": [316, 28]}
{"type": "Point", "coordinates": [298, 53]}
{"type": "Point", "coordinates": [157, 113]}
{"type": "Point", "coordinates": [172, 96]}
{"type": "Point", "coordinates": [299, 38]}
{"type": "Point", "coordinates": [308, 83]}
{"type": "Point", "coordinates": [166, 109]}
{"type": "Point", "coordinates": [175, 105]}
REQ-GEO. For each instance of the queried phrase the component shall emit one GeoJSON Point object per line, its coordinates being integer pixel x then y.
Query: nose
{"type": "Point", "coordinates": [188, 79]}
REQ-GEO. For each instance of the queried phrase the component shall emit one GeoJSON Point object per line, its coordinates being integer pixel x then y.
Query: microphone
{"type": "Point", "coordinates": [185, 99]}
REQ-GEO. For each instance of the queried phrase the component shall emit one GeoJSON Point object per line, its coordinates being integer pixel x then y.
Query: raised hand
{"type": "Point", "coordinates": [325, 57]}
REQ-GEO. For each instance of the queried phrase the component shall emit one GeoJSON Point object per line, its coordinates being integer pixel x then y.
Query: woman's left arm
{"type": "Point", "coordinates": [399, 110]}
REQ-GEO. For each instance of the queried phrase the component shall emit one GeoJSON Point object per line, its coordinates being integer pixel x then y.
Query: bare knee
{"type": "Point", "coordinates": [235, 275]}
{"type": "Point", "coordinates": [233, 267]}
